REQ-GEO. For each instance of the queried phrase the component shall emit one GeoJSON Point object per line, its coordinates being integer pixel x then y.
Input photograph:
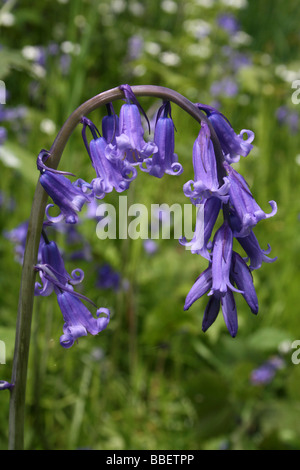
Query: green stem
{"type": "Point", "coordinates": [26, 296]}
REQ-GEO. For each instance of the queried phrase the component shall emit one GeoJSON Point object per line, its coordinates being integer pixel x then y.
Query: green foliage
{"type": "Point", "coordinates": [153, 380]}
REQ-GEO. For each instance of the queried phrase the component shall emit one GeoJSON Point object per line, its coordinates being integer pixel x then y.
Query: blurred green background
{"type": "Point", "coordinates": [153, 379]}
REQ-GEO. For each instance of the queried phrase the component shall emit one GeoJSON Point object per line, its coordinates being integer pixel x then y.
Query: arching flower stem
{"type": "Point", "coordinates": [26, 295]}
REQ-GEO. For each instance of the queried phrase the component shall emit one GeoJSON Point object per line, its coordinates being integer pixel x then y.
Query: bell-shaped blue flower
{"type": "Point", "coordinates": [206, 179]}
{"type": "Point", "coordinates": [254, 252]}
{"type": "Point", "coordinates": [245, 212]}
{"type": "Point", "coordinates": [200, 243]}
{"type": "Point", "coordinates": [112, 172]}
{"type": "Point", "coordinates": [164, 160]}
{"type": "Point", "coordinates": [130, 141]}
{"type": "Point", "coordinates": [78, 319]}
{"type": "Point", "coordinates": [233, 145]}
{"type": "Point", "coordinates": [221, 261]}
{"type": "Point", "coordinates": [230, 313]}
{"type": "Point", "coordinates": [242, 277]}
{"type": "Point", "coordinates": [69, 198]}
{"type": "Point", "coordinates": [53, 273]}
{"type": "Point", "coordinates": [200, 287]}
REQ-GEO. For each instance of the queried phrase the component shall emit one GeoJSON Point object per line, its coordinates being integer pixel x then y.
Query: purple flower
{"type": "Point", "coordinates": [242, 277]}
{"type": "Point", "coordinates": [228, 22]}
{"type": "Point", "coordinates": [245, 212]}
{"type": "Point", "coordinates": [78, 319]}
{"type": "Point", "coordinates": [206, 179]}
{"type": "Point", "coordinates": [110, 125]}
{"type": "Point", "coordinates": [66, 195]}
{"type": "Point", "coordinates": [53, 273]}
{"type": "Point", "coordinates": [256, 255]}
{"type": "Point", "coordinates": [108, 278]}
{"type": "Point", "coordinates": [200, 242]}
{"type": "Point", "coordinates": [226, 86]}
{"type": "Point", "coordinates": [233, 145]}
{"type": "Point", "coordinates": [202, 285]}
{"type": "Point", "coordinates": [164, 160]}
{"type": "Point", "coordinates": [150, 246]}
{"type": "Point", "coordinates": [267, 371]}
{"type": "Point", "coordinates": [112, 172]}
{"type": "Point", "coordinates": [3, 135]}
{"type": "Point", "coordinates": [230, 313]}
{"type": "Point", "coordinates": [227, 267]}
{"type": "Point", "coordinates": [130, 141]}
{"type": "Point", "coordinates": [221, 261]}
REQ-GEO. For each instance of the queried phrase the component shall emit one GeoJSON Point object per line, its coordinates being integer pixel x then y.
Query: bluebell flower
{"type": "Point", "coordinates": [221, 261]}
{"type": "Point", "coordinates": [265, 373]}
{"type": "Point", "coordinates": [107, 278]}
{"type": "Point", "coordinates": [110, 125]}
{"type": "Point", "coordinates": [112, 171]}
{"type": "Point", "coordinates": [65, 194]}
{"type": "Point", "coordinates": [200, 243]}
{"type": "Point", "coordinates": [228, 23]}
{"type": "Point", "coordinates": [225, 87]}
{"type": "Point", "coordinates": [242, 277]}
{"type": "Point", "coordinates": [53, 273]}
{"type": "Point", "coordinates": [78, 319]}
{"type": "Point", "coordinates": [164, 160]}
{"type": "Point", "coordinates": [130, 141]}
{"type": "Point", "coordinates": [233, 145]}
{"type": "Point", "coordinates": [206, 179]}
{"type": "Point", "coordinates": [254, 252]}
{"type": "Point", "coordinates": [203, 285]}
{"type": "Point", "coordinates": [245, 213]}
{"type": "Point", "coordinates": [3, 135]}
{"type": "Point", "coordinates": [217, 281]}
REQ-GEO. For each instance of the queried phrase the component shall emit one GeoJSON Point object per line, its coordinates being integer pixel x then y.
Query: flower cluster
{"type": "Point", "coordinates": [116, 155]}
{"type": "Point", "coordinates": [219, 187]}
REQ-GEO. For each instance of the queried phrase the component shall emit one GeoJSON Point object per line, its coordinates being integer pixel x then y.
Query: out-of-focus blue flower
{"type": "Point", "coordinates": [233, 145]}
{"type": "Point", "coordinates": [3, 135]}
{"type": "Point", "coordinates": [206, 180]}
{"type": "Point", "coordinates": [164, 160]}
{"type": "Point", "coordinates": [150, 246]}
{"type": "Point", "coordinates": [228, 22]}
{"type": "Point", "coordinates": [107, 278]}
{"type": "Point", "coordinates": [130, 141]}
{"type": "Point", "coordinates": [225, 87]}
{"type": "Point", "coordinates": [4, 385]}
{"type": "Point", "coordinates": [66, 195]}
{"type": "Point", "coordinates": [245, 212]}
{"type": "Point", "coordinates": [287, 117]}
{"type": "Point", "coordinates": [266, 372]}
{"type": "Point", "coordinates": [135, 47]}
{"type": "Point", "coordinates": [18, 237]}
